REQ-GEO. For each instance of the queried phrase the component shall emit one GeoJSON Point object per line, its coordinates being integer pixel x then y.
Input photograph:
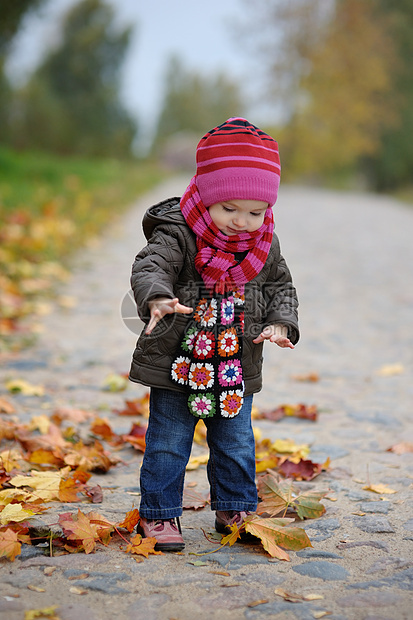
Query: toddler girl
{"type": "Point", "coordinates": [211, 286]}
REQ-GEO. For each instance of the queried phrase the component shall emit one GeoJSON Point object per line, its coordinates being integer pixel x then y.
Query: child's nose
{"type": "Point", "coordinates": [240, 221]}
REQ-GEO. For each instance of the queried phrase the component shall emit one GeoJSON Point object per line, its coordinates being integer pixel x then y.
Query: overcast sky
{"type": "Point", "coordinates": [200, 31]}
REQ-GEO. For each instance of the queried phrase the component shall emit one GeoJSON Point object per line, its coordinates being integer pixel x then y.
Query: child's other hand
{"type": "Point", "coordinates": [277, 334]}
{"type": "Point", "coordinates": [164, 305]}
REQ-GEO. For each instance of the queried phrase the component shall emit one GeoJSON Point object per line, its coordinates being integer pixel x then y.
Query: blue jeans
{"type": "Point", "coordinates": [231, 465]}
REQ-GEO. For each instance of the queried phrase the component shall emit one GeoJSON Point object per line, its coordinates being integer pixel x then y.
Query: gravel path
{"type": "Point", "coordinates": [351, 256]}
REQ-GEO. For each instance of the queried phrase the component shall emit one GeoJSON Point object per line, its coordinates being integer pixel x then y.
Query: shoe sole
{"type": "Point", "coordinates": [178, 546]}
{"type": "Point", "coordinates": [169, 546]}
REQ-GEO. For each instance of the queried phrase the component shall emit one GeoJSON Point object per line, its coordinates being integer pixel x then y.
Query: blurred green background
{"type": "Point", "coordinates": [331, 80]}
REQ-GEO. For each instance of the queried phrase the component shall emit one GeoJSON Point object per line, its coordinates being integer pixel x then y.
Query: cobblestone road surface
{"type": "Point", "coordinates": [351, 256]}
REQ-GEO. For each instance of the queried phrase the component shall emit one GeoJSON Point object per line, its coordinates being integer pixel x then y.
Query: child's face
{"type": "Point", "coordinates": [236, 216]}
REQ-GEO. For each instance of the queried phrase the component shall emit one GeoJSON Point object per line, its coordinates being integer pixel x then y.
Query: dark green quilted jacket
{"type": "Point", "coordinates": [166, 268]}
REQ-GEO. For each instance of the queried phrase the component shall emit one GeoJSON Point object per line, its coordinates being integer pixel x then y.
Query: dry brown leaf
{"type": "Point", "coordinates": [277, 533]}
{"type": "Point", "coordinates": [76, 590]}
{"type": "Point", "coordinates": [401, 448]}
{"type": "Point", "coordinates": [255, 603]}
{"type": "Point", "coordinates": [130, 520]}
{"type": "Point", "coordinates": [35, 588]}
{"type": "Point", "coordinates": [193, 500]}
{"type": "Point", "coordinates": [71, 414]}
{"type": "Point", "coordinates": [9, 544]}
{"type": "Point", "coordinates": [81, 530]}
{"type": "Point", "coordinates": [311, 377]}
{"type": "Point", "coordinates": [6, 407]}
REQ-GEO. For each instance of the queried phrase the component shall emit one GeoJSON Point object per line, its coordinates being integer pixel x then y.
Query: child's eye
{"type": "Point", "coordinates": [256, 214]}
{"type": "Point", "coordinates": [228, 210]}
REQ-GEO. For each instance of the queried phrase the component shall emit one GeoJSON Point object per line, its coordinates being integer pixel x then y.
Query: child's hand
{"type": "Point", "coordinates": [164, 305]}
{"type": "Point", "coordinates": [277, 334]}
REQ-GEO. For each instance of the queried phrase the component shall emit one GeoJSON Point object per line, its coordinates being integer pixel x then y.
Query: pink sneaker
{"type": "Point", "coordinates": [225, 518]}
{"type": "Point", "coordinates": [166, 531]}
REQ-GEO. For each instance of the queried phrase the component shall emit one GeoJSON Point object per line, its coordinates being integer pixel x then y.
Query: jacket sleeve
{"type": "Point", "coordinates": [156, 268]}
{"type": "Point", "coordinates": [281, 297]}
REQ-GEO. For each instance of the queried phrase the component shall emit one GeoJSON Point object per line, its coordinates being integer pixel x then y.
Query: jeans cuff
{"type": "Point", "coordinates": [238, 506]}
{"type": "Point", "coordinates": [160, 513]}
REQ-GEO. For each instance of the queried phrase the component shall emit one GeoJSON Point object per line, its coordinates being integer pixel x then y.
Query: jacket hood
{"type": "Point", "coordinates": [162, 213]}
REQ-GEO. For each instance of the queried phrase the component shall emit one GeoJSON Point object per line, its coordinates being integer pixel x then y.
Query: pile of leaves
{"type": "Point", "coordinates": [48, 208]}
{"type": "Point", "coordinates": [46, 460]}
{"type": "Point", "coordinates": [269, 525]}
{"type": "Point", "coordinates": [80, 532]}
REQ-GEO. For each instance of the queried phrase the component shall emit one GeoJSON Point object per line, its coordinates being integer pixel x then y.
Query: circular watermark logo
{"type": "Point", "coordinates": [129, 313]}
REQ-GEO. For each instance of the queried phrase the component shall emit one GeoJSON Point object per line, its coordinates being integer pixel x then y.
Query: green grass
{"type": "Point", "coordinates": [86, 192]}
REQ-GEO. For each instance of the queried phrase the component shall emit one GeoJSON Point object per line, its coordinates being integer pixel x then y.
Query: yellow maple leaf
{"type": "Point", "coordinates": [200, 433]}
{"type": "Point", "coordinates": [46, 484]}
{"type": "Point", "coordinates": [19, 386]}
{"type": "Point", "coordinates": [195, 461]}
{"type": "Point", "coordinates": [41, 423]}
{"type": "Point", "coordinates": [231, 539]}
{"type": "Point", "coordinates": [287, 446]}
{"type": "Point", "coordinates": [381, 489]}
{"type": "Point", "coordinates": [46, 612]}
{"type": "Point", "coordinates": [14, 513]}
{"type": "Point", "coordinates": [11, 459]}
{"type": "Point", "coordinates": [8, 495]}
{"type": "Point", "coordinates": [142, 546]}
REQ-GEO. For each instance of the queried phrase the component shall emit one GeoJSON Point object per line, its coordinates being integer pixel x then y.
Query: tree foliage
{"type": "Point", "coordinates": [12, 13]}
{"type": "Point", "coordinates": [71, 104]}
{"type": "Point", "coordinates": [349, 95]}
{"type": "Point", "coordinates": [392, 165]}
{"type": "Point", "coordinates": [194, 103]}
{"type": "Point", "coordinates": [341, 69]}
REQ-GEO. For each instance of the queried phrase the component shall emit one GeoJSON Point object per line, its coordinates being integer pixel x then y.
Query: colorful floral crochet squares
{"type": "Point", "coordinates": [208, 362]}
{"type": "Point", "coordinates": [202, 405]}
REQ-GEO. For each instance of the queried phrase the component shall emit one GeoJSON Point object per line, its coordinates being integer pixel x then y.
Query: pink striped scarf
{"type": "Point", "coordinates": [215, 260]}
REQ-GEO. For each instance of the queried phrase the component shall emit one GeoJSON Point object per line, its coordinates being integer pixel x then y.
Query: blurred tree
{"type": "Point", "coordinates": [392, 166]}
{"type": "Point", "coordinates": [194, 103]}
{"type": "Point", "coordinates": [71, 104]}
{"type": "Point", "coordinates": [12, 14]}
{"type": "Point", "coordinates": [332, 62]}
{"type": "Point", "coordinates": [349, 91]}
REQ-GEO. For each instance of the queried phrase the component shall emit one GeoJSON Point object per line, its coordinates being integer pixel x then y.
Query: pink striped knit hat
{"type": "Point", "coordinates": [237, 160]}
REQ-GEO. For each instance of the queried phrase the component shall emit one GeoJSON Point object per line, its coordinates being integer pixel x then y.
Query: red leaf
{"type": "Point", "coordinates": [303, 470]}
{"type": "Point", "coordinates": [306, 412]}
{"type": "Point", "coordinates": [95, 494]}
{"type": "Point", "coordinates": [139, 406]}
